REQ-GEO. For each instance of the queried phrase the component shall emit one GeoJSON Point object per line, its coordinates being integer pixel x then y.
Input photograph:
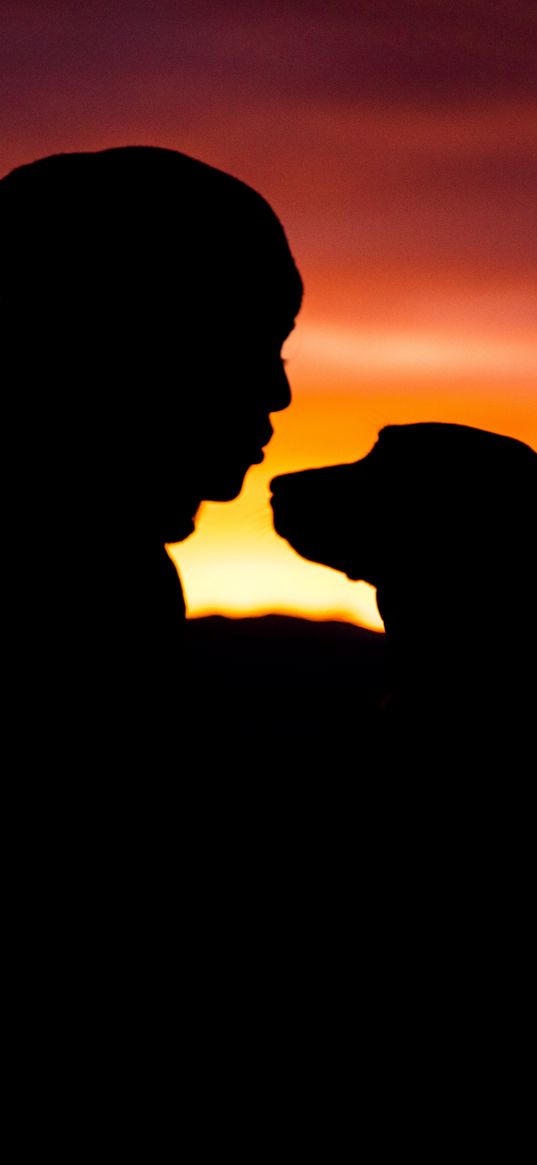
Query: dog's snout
{"type": "Point", "coordinates": [310, 484]}
{"type": "Point", "coordinates": [315, 511]}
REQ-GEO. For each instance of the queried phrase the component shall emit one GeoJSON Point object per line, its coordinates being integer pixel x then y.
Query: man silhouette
{"type": "Point", "coordinates": [145, 300]}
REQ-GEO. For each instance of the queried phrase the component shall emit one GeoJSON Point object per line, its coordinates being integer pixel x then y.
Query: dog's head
{"type": "Point", "coordinates": [438, 508]}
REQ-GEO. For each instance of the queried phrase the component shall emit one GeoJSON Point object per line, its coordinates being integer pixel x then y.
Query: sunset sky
{"type": "Point", "coordinates": [397, 143]}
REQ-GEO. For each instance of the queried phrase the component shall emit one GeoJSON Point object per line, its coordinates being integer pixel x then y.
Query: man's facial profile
{"type": "Point", "coordinates": [248, 386]}
{"type": "Point", "coordinates": [174, 284]}
{"type": "Point", "coordinates": [220, 428]}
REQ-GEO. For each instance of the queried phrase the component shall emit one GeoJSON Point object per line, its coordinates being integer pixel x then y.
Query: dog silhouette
{"type": "Point", "coordinates": [440, 518]}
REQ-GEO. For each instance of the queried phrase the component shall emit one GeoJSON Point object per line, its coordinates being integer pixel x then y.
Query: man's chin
{"type": "Point", "coordinates": [226, 488]}
{"type": "Point", "coordinates": [223, 495]}
{"type": "Point", "coordinates": [177, 531]}
{"type": "Point", "coordinates": [176, 526]}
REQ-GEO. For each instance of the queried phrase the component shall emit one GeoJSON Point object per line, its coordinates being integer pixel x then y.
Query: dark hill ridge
{"type": "Point", "coordinates": [264, 639]}
{"type": "Point", "coordinates": [286, 681]}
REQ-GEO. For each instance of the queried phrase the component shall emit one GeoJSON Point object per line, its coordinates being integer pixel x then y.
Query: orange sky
{"type": "Point", "coordinates": [397, 142]}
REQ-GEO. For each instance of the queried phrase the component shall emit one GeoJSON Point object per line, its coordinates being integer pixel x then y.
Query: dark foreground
{"type": "Point", "coordinates": [281, 683]}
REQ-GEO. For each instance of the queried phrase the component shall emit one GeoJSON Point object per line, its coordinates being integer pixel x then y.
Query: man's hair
{"type": "Point", "coordinates": [119, 230]}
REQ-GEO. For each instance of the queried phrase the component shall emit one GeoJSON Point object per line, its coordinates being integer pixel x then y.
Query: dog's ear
{"type": "Point", "coordinates": [464, 508]}
{"type": "Point", "coordinates": [458, 463]}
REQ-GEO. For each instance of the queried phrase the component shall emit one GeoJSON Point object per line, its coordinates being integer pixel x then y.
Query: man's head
{"type": "Point", "coordinates": [146, 297]}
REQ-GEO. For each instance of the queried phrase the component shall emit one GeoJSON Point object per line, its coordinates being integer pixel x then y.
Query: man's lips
{"type": "Point", "coordinates": [258, 446]}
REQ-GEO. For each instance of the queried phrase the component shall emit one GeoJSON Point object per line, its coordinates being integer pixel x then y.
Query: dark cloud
{"type": "Point", "coordinates": [429, 51]}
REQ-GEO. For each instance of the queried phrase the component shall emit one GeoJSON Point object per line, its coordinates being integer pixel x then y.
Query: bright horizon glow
{"type": "Point", "coordinates": [419, 353]}
{"type": "Point", "coordinates": [237, 582]}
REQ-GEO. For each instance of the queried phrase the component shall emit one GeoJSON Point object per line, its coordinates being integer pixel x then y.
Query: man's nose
{"type": "Point", "coordinates": [280, 392]}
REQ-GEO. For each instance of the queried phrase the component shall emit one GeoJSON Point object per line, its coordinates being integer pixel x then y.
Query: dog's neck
{"type": "Point", "coordinates": [458, 654]}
